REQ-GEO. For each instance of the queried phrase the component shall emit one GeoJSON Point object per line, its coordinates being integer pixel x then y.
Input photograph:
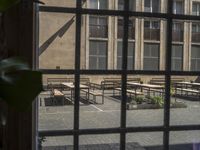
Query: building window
{"type": "Point", "coordinates": [131, 52]}
{"type": "Point", "coordinates": [98, 26]}
{"type": "Point", "coordinates": [131, 5]}
{"type": "Point", "coordinates": [195, 58]}
{"type": "Point", "coordinates": [196, 32]}
{"type": "Point", "coordinates": [151, 56]}
{"type": "Point", "coordinates": [120, 31]}
{"type": "Point", "coordinates": [152, 5]}
{"type": "Point", "coordinates": [152, 30]}
{"type": "Point", "coordinates": [98, 4]}
{"type": "Point", "coordinates": [98, 55]}
{"type": "Point", "coordinates": [177, 32]}
{"type": "Point", "coordinates": [178, 7]}
{"type": "Point", "coordinates": [196, 8]}
{"type": "Point", "coordinates": [177, 57]}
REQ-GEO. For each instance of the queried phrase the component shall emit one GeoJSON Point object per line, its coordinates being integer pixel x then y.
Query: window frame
{"type": "Point", "coordinates": [178, 58]}
{"type": "Point", "coordinates": [175, 8]}
{"type": "Point", "coordinates": [150, 9]}
{"type": "Point", "coordinates": [166, 128]}
{"type": "Point", "coordinates": [198, 8]}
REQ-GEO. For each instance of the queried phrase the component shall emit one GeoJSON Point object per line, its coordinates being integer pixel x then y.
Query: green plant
{"type": "Point", "coordinates": [157, 100]}
{"type": "Point", "coordinates": [172, 91]}
{"type": "Point", "coordinates": [19, 85]}
{"type": "Point", "coordinates": [139, 99]}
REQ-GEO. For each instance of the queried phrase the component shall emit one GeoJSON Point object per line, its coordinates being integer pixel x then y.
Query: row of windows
{"type": "Point", "coordinates": [149, 6]}
{"type": "Point", "coordinates": [99, 29]}
{"type": "Point", "coordinates": [98, 56]}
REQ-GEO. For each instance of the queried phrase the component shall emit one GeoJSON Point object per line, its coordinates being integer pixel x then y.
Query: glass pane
{"type": "Point", "coordinates": [100, 106]}
{"type": "Point", "coordinates": [151, 64]}
{"type": "Point", "coordinates": [178, 7]}
{"type": "Point", "coordinates": [98, 4]}
{"type": "Point", "coordinates": [185, 100]}
{"type": "Point", "coordinates": [147, 5]}
{"type": "Point", "coordinates": [145, 100]}
{"type": "Point", "coordinates": [55, 106]}
{"type": "Point", "coordinates": [55, 143]}
{"type": "Point", "coordinates": [195, 52]}
{"type": "Point", "coordinates": [99, 142]}
{"type": "Point", "coordinates": [98, 27]}
{"type": "Point", "coordinates": [93, 4]}
{"type": "Point", "coordinates": [93, 61]}
{"type": "Point", "coordinates": [55, 30]}
{"type": "Point", "coordinates": [60, 3]}
{"type": "Point", "coordinates": [131, 29]}
{"type": "Point", "coordinates": [185, 140]}
{"type": "Point", "coordinates": [131, 5]}
{"type": "Point", "coordinates": [144, 141]}
{"type": "Point", "coordinates": [93, 48]}
{"type": "Point", "coordinates": [156, 5]}
{"type": "Point", "coordinates": [102, 62]}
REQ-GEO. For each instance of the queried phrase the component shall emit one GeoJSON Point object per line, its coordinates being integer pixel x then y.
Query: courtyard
{"type": "Point", "coordinates": [60, 117]}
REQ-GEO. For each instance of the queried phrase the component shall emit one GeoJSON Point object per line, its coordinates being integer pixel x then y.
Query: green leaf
{"type": "Point", "coordinates": [18, 84]}
{"type": "Point", "coordinates": [14, 63]}
{"type": "Point", "coordinates": [6, 4]}
{"type": "Point", "coordinates": [23, 90]}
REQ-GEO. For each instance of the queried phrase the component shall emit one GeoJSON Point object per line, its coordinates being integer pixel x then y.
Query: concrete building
{"type": "Point", "coordinates": [101, 39]}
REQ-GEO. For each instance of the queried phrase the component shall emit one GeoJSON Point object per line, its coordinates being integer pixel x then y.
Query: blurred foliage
{"type": "Point", "coordinates": [19, 85]}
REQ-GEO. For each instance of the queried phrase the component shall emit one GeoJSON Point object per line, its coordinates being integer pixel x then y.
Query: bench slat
{"type": "Point", "coordinates": [56, 92]}
{"type": "Point", "coordinates": [188, 90]}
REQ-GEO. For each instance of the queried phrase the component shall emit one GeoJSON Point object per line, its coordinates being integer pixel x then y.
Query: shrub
{"type": "Point", "coordinates": [157, 100]}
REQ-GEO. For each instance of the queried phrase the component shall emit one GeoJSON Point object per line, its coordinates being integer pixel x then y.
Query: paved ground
{"type": "Point", "coordinates": [53, 117]}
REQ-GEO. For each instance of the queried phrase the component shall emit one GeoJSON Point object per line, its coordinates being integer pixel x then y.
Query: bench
{"type": "Point", "coordinates": [113, 83]}
{"type": "Point", "coordinates": [94, 94]}
{"type": "Point", "coordinates": [186, 91]}
{"type": "Point", "coordinates": [56, 83]}
{"type": "Point", "coordinates": [57, 95]}
{"type": "Point", "coordinates": [131, 92]}
{"type": "Point", "coordinates": [161, 81]}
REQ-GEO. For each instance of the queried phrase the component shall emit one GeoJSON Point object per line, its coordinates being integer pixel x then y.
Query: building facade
{"type": "Point", "coordinates": [101, 39]}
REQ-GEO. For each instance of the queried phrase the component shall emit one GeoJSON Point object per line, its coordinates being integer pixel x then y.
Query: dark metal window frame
{"type": "Point", "coordinates": [166, 128]}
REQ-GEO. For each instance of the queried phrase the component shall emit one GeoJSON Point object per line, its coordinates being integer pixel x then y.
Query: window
{"type": "Point", "coordinates": [131, 5]}
{"type": "Point", "coordinates": [98, 55]}
{"type": "Point", "coordinates": [177, 57]}
{"type": "Point", "coordinates": [195, 32]}
{"type": "Point", "coordinates": [98, 4]}
{"type": "Point", "coordinates": [195, 58]}
{"type": "Point", "coordinates": [152, 30]}
{"type": "Point", "coordinates": [151, 5]}
{"type": "Point", "coordinates": [131, 29]}
{"type": "Point", "coordinates": [178, 7]}
{"type": "Point", "coordinates": [98, 27]}
{"type": "Point", "coordinates": [131, 52]}
{"type": "Point", "coordinates": [196, 8]}
{"type": "Point", "coordinates": [177, 32]}
{"type": "Point", "coordinates": [84, 119]}
{"type": "Point", "coordinates": [151, 56]}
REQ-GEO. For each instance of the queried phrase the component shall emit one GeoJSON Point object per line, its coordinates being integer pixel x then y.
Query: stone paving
{"type": "Point", "coordinates": [54, 117]}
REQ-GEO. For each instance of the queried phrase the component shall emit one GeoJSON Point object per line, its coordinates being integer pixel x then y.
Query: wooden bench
{"type": "Point", "coordinates": [161, 81]}
{"type": "Point", "coordinates": [113, 83]}
{"type": "Point", "coordinates": [57, 95]}
{"type": "Point", "coordinates": [187, 91]}
{"type": "Point", "coordinates": [56, 83]}
{"type": "Point", "coordinates": [131, 92]}
{"type": "Point", "coordinates": [94, 94]}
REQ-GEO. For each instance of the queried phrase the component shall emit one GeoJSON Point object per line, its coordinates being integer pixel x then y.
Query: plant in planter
{"type": "Point", "coordinates": [139, 99]}
{"type": "Point", "coordinates": [157, 100]}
